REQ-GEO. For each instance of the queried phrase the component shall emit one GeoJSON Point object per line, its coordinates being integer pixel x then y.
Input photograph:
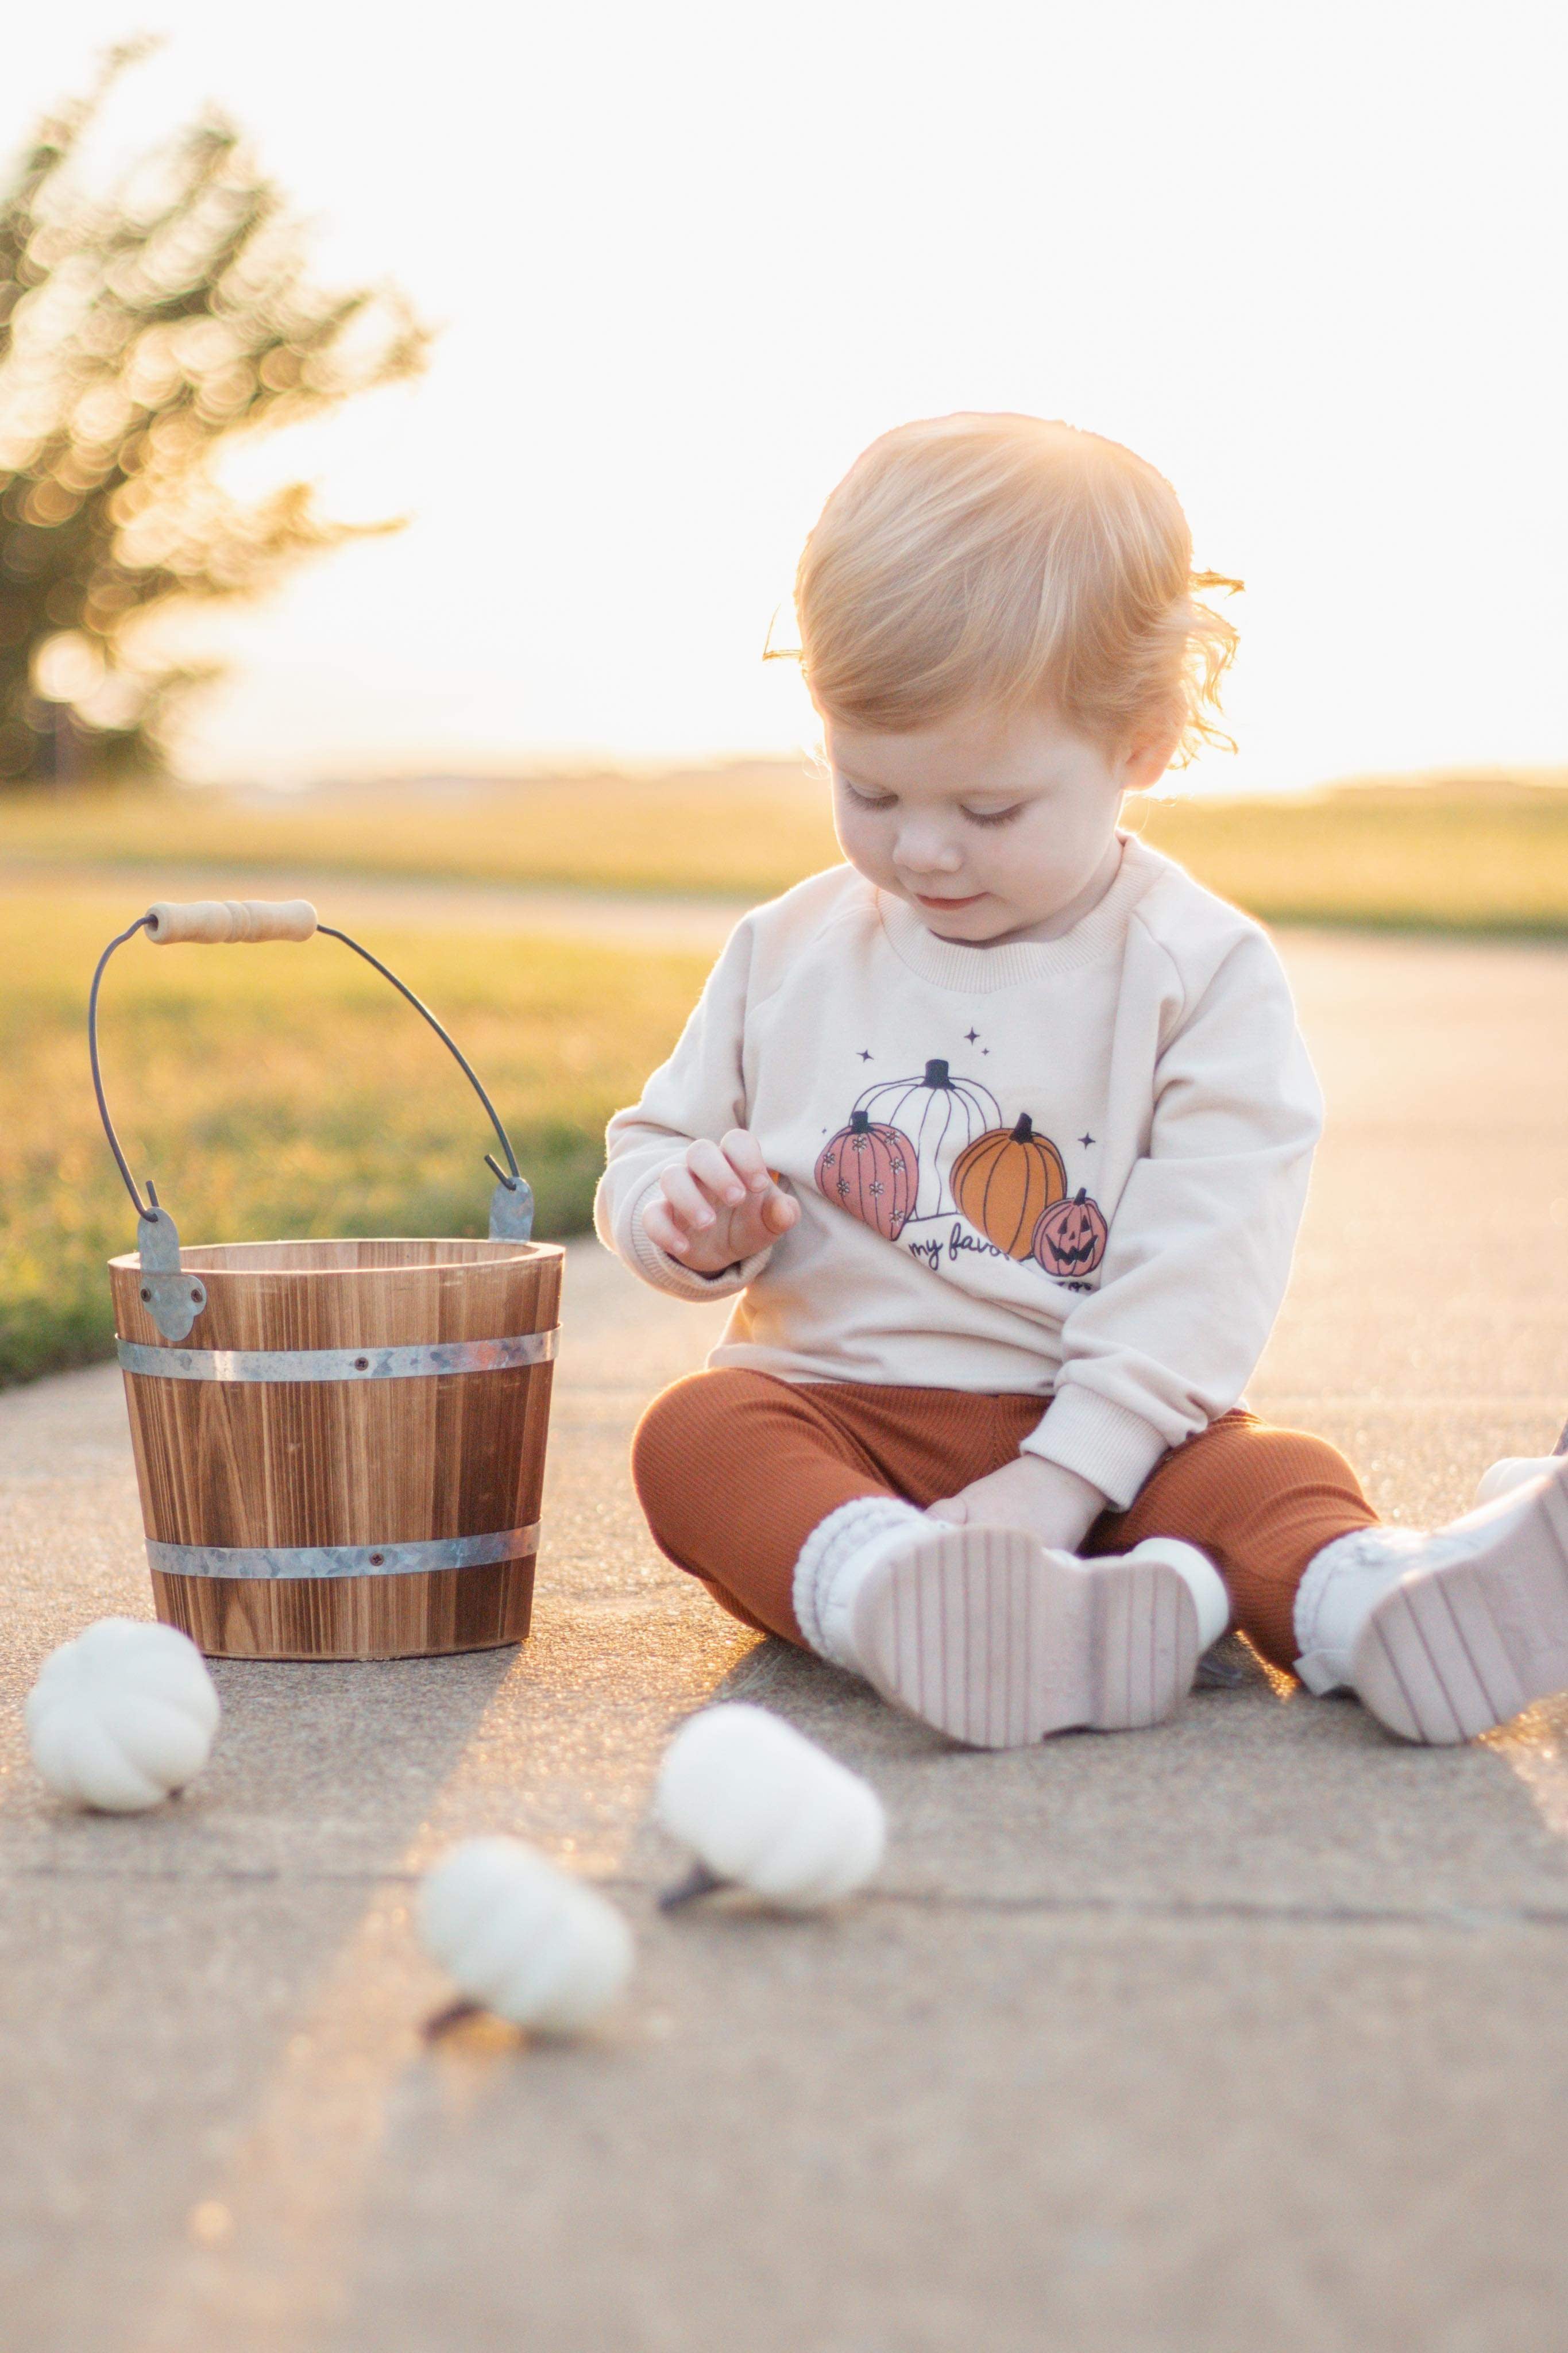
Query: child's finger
{"type": "Point", "coordinates": [712, 1170]}
{"type": "Point", "coordinates": [686, 1199]}
{"type": "Point", "coordinates": [744, 1155]}
{"type": "Point", "coordinates": [779, 1212]}
{"type": "Point", "coordinates": [660, 1226]}
{"type": "Point", "coordinates": [951, 1507]}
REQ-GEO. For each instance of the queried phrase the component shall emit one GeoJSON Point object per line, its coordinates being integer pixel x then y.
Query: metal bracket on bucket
{"type": "Point", "coordinates": [511, 1207]}
{"type": "Point", "coordinates": [172, 1297]}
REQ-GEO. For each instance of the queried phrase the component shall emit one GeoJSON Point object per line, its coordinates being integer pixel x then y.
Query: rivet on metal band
{"type": "Point", "coordinates": [424, 1363]}
{"type": "Point", "coordinates": [341, 1560]}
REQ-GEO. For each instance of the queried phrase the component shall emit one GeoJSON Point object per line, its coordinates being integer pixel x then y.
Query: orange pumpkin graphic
{"type": "Point", "coordinates": [1006, 1180]}
{"type": "Point", "coordinates": [871, 1171]}
{"type": "Point", "coordinates": [1071, 1237]}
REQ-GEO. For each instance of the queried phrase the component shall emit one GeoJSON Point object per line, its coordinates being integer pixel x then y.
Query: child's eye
{"type": "Point", "coordinates": [995, 816]}
{"type": "Point", "coordinates": [869, 800]}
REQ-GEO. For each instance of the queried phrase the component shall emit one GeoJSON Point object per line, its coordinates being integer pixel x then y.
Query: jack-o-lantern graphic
{"type": "Point", "coordinates": [869, 1170]}
{"type": "Point", "coordinates": [940, 1115]}
{"type": "Point", "coordinates": [1004, 1182]}
{"type": "Point", "coordinates": [1071, 1237]}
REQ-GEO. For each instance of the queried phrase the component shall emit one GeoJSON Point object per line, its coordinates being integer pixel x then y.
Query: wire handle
{"type": "Point", "coordinates": [175, 1298]}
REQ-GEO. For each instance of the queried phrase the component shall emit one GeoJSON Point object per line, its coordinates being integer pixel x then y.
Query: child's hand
{"type": "Point", "coordinates": [719, 1205]}
{"type": "Point", "coordinates": [1051, 1503]}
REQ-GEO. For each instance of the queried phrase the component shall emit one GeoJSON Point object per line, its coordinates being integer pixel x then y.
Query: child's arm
{"type": "Point", "coordinates": [686, 1199]}
{"type": "Point", "coordinates": [1201, 1242]}
{"type": "Point", "coordinates": [1053, 1503]}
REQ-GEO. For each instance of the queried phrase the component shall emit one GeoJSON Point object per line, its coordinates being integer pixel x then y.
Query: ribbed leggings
{"type": "Point", "coordinates": [735, 1469]}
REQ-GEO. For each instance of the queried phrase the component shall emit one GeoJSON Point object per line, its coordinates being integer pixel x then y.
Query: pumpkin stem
{"type": "Point", "coordinates": [1083, 1192]}
{"type": "Point", "coordinates": [456, 2013]}
{"type": "Point", "coordinates": [698, 1882]}
{"type": "Point", "coordinates": [936, 1075]}
{"type": "Point", "coordinates": [859, 1121]}
{"type": "Point", "coordinates": [1025, 1129]}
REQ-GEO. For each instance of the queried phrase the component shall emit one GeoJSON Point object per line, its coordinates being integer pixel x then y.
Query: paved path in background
{"type": "Point", "coordinates": [626, 919]}
{"type": "Point", "coordinates": [1243, 2033]}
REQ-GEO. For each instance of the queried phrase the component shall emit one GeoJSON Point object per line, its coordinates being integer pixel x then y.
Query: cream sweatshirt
{"type": "Point", "coordinates": [1072, 1169]}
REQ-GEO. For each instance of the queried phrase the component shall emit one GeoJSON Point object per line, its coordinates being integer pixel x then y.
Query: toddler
{"type": "Point", "coordinates": [997, 1135]}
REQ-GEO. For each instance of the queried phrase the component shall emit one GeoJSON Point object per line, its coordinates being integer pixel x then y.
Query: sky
{"type": "Point", "coordinates": [686, 261]}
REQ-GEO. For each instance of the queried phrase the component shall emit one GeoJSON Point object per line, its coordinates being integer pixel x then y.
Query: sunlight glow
{"type": "Point", "coordinates": [687, 261]}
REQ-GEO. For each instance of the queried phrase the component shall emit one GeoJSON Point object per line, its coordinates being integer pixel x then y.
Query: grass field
{"type": "Point", "coordinates": [290, 1091]}
{"type": "Point", "coordinates": [1487, 855]}
{"type": "Point", "coordinates": [746, 833]}
{"type": "Point", "coordinates": [1478, 859]}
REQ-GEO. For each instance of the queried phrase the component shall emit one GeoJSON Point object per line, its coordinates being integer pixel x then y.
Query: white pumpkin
{"type": "Point", "coordinates": [1514, 1471]}
{"type": "Point", "coordinates": [940, 1115]}
{"type": "Point", "coordinates": [522, 1937]}
{"type": "Point", "coordinates": [122, 1715]}
{"type": "Point", "coordinates": [764, 1808]}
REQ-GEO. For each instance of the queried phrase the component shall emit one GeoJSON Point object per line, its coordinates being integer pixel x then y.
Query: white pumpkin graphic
{"type": "Point", "coordinates": [940, 1115]}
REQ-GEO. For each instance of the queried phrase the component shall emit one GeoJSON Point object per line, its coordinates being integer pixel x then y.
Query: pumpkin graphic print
{"type": "Point", "coordinates": [1071, 1237]}
{"type": "Point", "coordinates": [940, 1115]}
{"type": "Point", "coordinates": [870, 1171]}
{"type": "Point", "coordinates": [1006, 1180]}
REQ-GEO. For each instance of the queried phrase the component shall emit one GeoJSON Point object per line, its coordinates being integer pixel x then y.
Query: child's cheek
{"type": "Point", "coordinates": [861, 846]}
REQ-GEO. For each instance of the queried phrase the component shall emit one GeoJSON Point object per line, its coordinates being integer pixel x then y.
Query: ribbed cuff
{"type": "Point", "coordinates": [667, 1274]}
{"type": "Point", "coordinates": [1111, 1447]}
{"type": "Point", "coordinates": [1341, 1586]}
{"type": "Point", "coordinates": [833, 1559]}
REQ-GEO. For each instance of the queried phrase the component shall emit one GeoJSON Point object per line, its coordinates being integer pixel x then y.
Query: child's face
{"type": "Point", "coordinates": [986, 823]}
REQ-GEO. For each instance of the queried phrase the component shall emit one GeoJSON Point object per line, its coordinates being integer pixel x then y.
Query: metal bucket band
{"type": "Point", "coordinates": [341, 1560]}
{"type": "Point", "coordinates": [424, 1363]}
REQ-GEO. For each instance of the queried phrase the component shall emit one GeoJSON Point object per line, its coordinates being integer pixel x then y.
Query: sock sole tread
{"type": "Point", "coordinates": [984, 1634]}
{"type": "Point", "coordinates": [1453, 1650]}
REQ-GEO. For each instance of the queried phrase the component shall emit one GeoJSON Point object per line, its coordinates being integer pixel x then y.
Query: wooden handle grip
{"type": "Point", "coordinates": [219, 920]}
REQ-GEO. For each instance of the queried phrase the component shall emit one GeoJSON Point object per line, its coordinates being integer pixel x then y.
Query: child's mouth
{"type": "Point", "coordinates": [949, 904]}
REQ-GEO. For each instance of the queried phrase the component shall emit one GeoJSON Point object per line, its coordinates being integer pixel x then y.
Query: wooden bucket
{"type": "Point", "coordinates": [340, 1444]}
{"type": "Point", "coordinates": [345, 1460]}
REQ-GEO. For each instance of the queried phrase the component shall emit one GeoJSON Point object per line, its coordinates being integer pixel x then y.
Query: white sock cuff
{"type": "Point", "coordinates": [1337, 1592]}
{"type": "Point", "coordinates": [1513, 1471]}
{"type": "Point", "coordinates": [821, 1612]}
{"type": "Point", "coordinates": [1202, 1578]}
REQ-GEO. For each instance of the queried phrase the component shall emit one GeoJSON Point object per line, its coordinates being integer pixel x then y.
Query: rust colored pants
{"type": "Point", "coordinates": [735, 1469]}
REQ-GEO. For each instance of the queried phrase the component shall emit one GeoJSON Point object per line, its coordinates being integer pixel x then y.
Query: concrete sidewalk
{"type": "Point", "coordinates": [1246, 2032]}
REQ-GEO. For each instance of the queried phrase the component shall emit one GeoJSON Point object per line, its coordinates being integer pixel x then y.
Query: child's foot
{"type": "Point", "coordinates": [997, 1641]}
{"type": "Point", "coordinates": [1513, 1471]}
{"type": "Point", "coordinates": [1476, 1628]}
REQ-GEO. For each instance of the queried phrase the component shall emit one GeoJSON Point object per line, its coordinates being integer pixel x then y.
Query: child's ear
{"type": "Point", "coordinates": [1147, 759]}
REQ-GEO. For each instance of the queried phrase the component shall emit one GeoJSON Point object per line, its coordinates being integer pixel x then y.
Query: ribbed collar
{"type": "Point", "coordinates": [976, 971]}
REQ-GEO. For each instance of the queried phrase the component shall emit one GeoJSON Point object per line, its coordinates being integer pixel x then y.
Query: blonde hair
{"type": "Point", "coordinates": [1011, 561]}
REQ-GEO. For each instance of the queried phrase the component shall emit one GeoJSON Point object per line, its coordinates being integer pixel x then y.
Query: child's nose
{"type": "Point", "coordinates": [925, 849]}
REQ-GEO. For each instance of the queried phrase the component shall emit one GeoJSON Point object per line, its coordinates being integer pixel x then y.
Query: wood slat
{"type": "Point", "coordinates": [372, 1462]}
{"type": "Point", "coordinates": [351, 1617]}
